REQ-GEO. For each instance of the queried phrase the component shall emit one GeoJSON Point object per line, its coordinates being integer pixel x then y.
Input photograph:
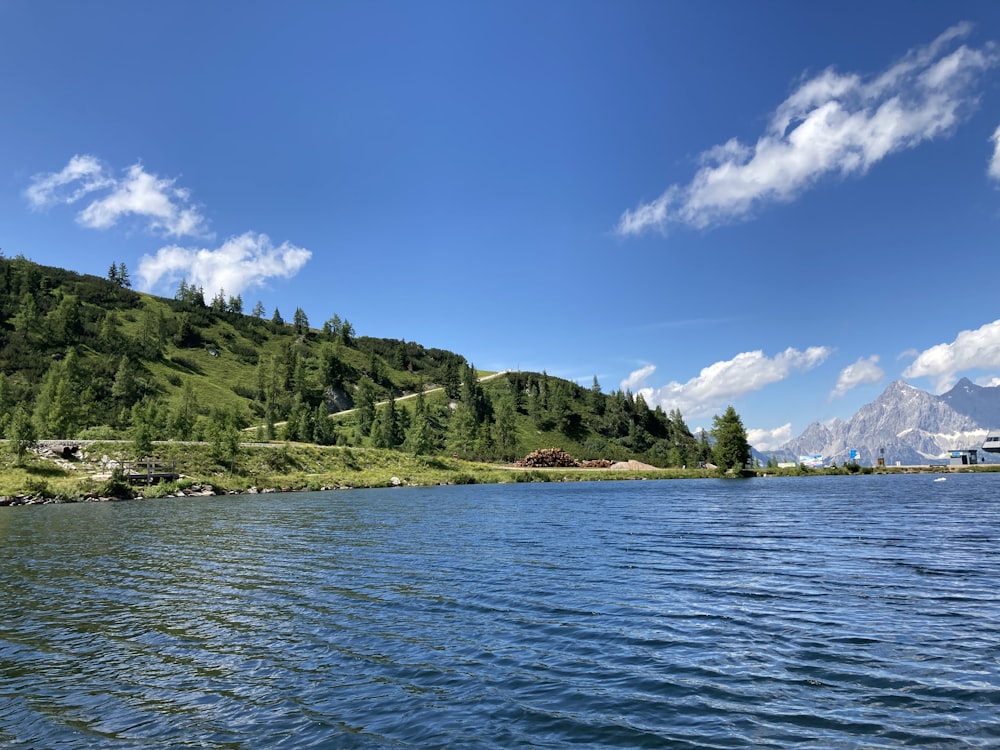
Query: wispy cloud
{"type": "Point", "coordinates": [767, 440]}
{"type": "Point", "coordinates": [724, 382]}
{"type": "Point", "coordinates": [164, 208]}
{"type": "Point", "coordinates": [993, 170]}
{"type": "Point", "coordinates": [971, 350]}
{"type": "Point", "coordinates": [862, 371]}
{"type": "Point", "coordinates": [241, 263]}
{"type": "Point", "coordinates": [82, 175]}
{"type": "Point", "coordinates": [832, 124]}
{"type": "Point", "coordinates": [637, 378]}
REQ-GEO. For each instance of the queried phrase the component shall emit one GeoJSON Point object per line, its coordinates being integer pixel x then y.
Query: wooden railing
{"type": "Point", "coordinates": [148, 471]}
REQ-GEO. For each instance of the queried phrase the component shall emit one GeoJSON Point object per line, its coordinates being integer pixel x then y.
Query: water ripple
{"type": "Point", "coordinates": [829, 612]}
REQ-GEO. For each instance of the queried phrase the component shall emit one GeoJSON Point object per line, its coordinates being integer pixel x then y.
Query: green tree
{"type": "Point", "coordinates": [65, 322]}
{"type": "Point", "coordinates": [364, 403]}
{"type": "Point", "coordinates": [126, 389]}
{"type": "Point", "coordinates": [258, 310]}
{"type": "Point", "coordinates": [324, 432]}
{"type": "Point", "coordinates": [21, 434]}
{"type": "Point", "coordinates": [145, 416]}
{"type": "Point", "coordinates": [463, 431]}
{"type": "Point", "coordinates": [219, 301]}
{"type": "Point", "coordinates": [596, 399]}
{"type": "Point", "coordinates": [184, 413]}
{"type": "Point", "coordinates": [277, 319]}
{"type": "Point", "coordinates": [57, 409]}
{"type": "Point", "coordinates": [731, 449]}
{"type": "Point", "coordinates": [505, 428]}
{"type": "Point", "coordinates": [224, 435]}
{"type": "Point", "coordinates": [452, 379]}
{"type": "Point", "coordinates": [123, 280]}
{"type": "Point", "coordinates": [346, 333]}
{"type": "Point", "coordinates": [28, 319]}
{"type": "Point", "coordinates": [420, 438]}
{"type": "Point", "coordinates": [332, 370]}
{"type": "Point", "coordinates": [300, 321]}
{"type": "Point", "coordinates": [387, 431]}
{"type": "Point", "coordinates": [331, 328]}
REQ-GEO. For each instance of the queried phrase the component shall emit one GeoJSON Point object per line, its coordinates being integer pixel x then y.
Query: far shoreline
{"type": "Point", "coordinates": [88, 474]}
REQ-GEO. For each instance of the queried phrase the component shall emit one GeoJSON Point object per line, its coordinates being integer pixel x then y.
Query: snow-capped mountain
{"type": "Point", "coordinates": [911, 426]}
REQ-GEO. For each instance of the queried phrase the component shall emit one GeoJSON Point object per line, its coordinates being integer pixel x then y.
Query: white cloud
{"type": "Point", "coordinates": [767, 440]}
{"type": "Point", "coordinates": [165, 208]}
{"type": "Point", "coordinates": [239, 264]}
{"type": "Point", "coordinates": [994, 167]}
{"type": "Point", "coordinates": [833, 124]}
{"type": "Point", "coordinates": [971, 350]}
{"type": "Point", "coordinates": [862, 371]}
{"type": "Point", "coordinates": [85, 172]}
{"type": "Point", "coordinates": [723, 382]}
{"type": "Point", "coordinates": [637, 378]}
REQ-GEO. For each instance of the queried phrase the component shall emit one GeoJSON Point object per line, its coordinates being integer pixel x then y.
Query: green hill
{"type": "Point", "coordinates": [87, 357]}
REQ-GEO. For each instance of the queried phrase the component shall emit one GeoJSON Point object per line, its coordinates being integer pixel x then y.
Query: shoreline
{"type": "Point", "coordinates": [408, 471]}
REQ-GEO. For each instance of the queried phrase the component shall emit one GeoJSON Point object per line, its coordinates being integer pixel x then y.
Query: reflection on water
{"type": "Point", "coordinates": [820, 612]}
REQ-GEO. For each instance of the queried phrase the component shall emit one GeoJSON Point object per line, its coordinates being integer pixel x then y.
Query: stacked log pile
{"type": "Point", "coordinates": [597, 463]}
{"type": "Point", "coordinates": [547, 458]}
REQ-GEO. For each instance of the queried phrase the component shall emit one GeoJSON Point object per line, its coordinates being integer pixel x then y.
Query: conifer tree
{"type": "Point", "coordinates": [300, 321]}
{"type": "Point", "coordinates": [731, 449]}
{"type": "Point", "coordinates": [123, 279]}
{"type": "Point", "coordinates": [21, 434]}
{"type": "Point", "coordinates": [364, 403]}
{"type": "Point", "coordinates": [505, 428]}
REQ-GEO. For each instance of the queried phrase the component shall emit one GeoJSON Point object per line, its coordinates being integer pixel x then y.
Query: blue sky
{"type": "Point", "coordinates": [781, 206]}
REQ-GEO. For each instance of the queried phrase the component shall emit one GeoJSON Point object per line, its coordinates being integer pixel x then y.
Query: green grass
{"type": "Point", "coordinates": [283, 467]}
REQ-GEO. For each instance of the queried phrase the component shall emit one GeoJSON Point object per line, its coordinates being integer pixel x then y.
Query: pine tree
{"type": "Point", "coordinates": [731, 450]}
{"type": "Point", "coordinates": [21, 434]}
{"type": "Point", "coordinates": [597, 401]}
{"type": "Point", "coordinates": [505, 428]}
{"type": "Point", "coordinates": [219, 301]}
{"type": "Point", "coordinates": [300, 321]}
{"type": "Point", "coordinates": [324, 432]}
{"type": "Point", "coordinates": [420, 437]}
{"type": "Point", "coordinates": [364, 403]}
{"type": "Point", "coordinates": [258, 310]}
{"type": "Point", "coordinates": [462, 431]}
{"type": "Point", "coordinates": [184, 413]}
{"type": "Point", "coordinates": [346, 333]}
{"type": "Point", "coordinates": [144, 417]}
{"type": "Point", "coordinates": [123, 280]}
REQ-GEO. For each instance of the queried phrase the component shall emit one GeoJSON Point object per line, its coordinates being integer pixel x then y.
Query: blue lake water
{"type": "Point", "coordinates": [824, 612]}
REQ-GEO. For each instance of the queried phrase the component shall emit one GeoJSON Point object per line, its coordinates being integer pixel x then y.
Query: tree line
{"type": "Point", "coordinates": [82, 356]}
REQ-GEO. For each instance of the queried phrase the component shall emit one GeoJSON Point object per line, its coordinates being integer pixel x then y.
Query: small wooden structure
{"type": "Point", "coordinates": [148, 471]}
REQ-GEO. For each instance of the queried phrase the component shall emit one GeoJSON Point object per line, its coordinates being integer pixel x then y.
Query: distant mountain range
{"type": "Point", "coordinates": [911, 426]}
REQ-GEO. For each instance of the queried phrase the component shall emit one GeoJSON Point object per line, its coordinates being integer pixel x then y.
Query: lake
{"type": "Point", "coordinates": [820, 612]}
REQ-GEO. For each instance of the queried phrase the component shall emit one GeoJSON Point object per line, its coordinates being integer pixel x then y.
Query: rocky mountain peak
{"type": "Point", "coordinates": [905, 424]}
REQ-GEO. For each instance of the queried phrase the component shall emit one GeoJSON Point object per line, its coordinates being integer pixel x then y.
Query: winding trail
{"type": "Point", "coordinates": [482, 379]}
